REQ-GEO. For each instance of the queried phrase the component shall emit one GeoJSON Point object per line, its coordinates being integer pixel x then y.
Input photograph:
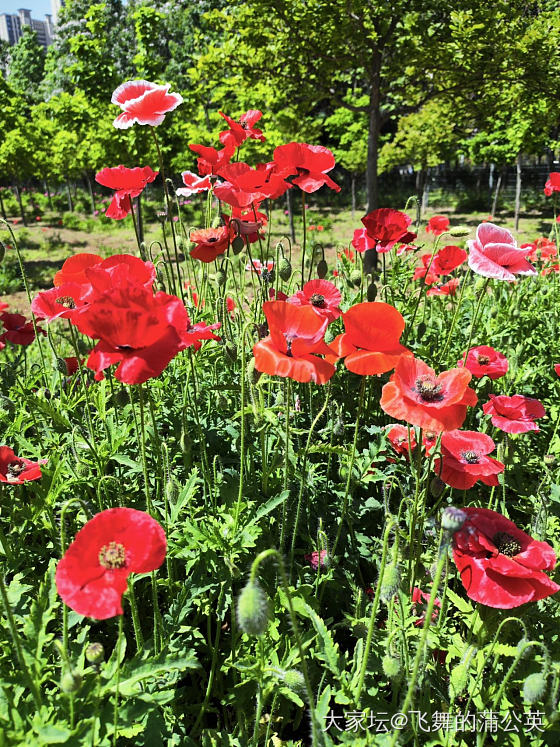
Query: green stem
{"type": "Point", "coordinates": [454, 320]}
{"type": "Point", "coordinates": [117, 684]}
{"type": "Point", "coordinates": [304, 243]}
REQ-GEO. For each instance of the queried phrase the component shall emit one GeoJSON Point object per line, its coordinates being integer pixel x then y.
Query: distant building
{"type": "Point", "coordinates": [12, 26]}
{"type": "Point", "coordinates": [56, 5]}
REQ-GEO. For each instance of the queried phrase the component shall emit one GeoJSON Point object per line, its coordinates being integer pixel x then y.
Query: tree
{"type": "Point", "coordinates": [27, 64]}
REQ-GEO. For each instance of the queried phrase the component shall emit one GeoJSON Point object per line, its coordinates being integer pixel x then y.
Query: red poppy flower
{"type": "Point", "coordinates": [515, 414]}
{"type": "Point", "coordinates": [92, 576]}
{"type": "Point", "coordinates": [276, 295]}
{"type": "Point", "coordinates": [550, 269]}
{"type": "Point", "coordinates": [15, 470]}
{"type": "Point", "coordinates": [196, 333]}
{"type": "Point", "coordinates": [246, 223]}
{"type": "Point", "coordinates": [547, 248]}
{"type": "Point", "coordinates": [316, 559]}
{"type": "Point", "coordinates": [494, 254]}
{"type": "Point", "coordinates": [140, 331]}
{"type": "Point", "coordinates": [210, 243]}
{"type": "Point", "coordinates": [532, 247]}
{"type": "Point", "coordinates": [447, 259]}
{"type": "Point", "coordinates": [257, 266]}
{"type": "Point", "coordinates": [242, 129]}
{"type": "Point", "coordinates": [437, 225]}
{"type": "Point", "coordinates": [309, 162]}
{"type": "Point", "coordinates": [74, 268]}
{"type": "Point", "coordinates": [552, 184]}
{"type": "Point", "coordinates": [420, 604]}
{"type": "Point", "coordinates": [464, 460]}
{"type": "Point", "coordinates": [212, 160]}
{"type": "Point", "coordinates": [397, 435]}
{"type": "Point", "coordinates": [485, 361]}
{"type": "Point", "coordinates": [17, 330]}
{"type": "Point", "coordinates": [362, 241]}
{"type": "Point", "coordinates": [323, 297]}
{"type": "Point", "coordinates": [370, 345]}
{"type": "Point", "coordinates": [296, 335]}
{"type": "Point", "coordinates": [387, 227]}
{"type": "Point", "coordinates": [3, 305]}
{"type": "Point", "coordinates": [348, 253]}
{"type": "Point", "coordinates": [72, 365]}
{"type": "Point", "coordinates": [58, 302]}
{"type": "Point", "coordinates": [193, 184]}
{"type": "Point", "coordinates": [115, 272]}
{"type": "Point", "coordinates": [127, 183]}
{"type": "Point", "coordinates": [436, 403]}
{"type": "Point", "coordinates": [445, 289]}
{"type": "Point", "coordinates": [405, 248]}
{"type": "Point", "coordinates": [230, 306]}
{"type": "Point", "coordinates": [245, 186]}
{"type": "Point", "coordinates": [143, 102]}
{"type": "Point", "coordinates": [430, 277]}
{"type": "Point", "coordinates": [500, 565]}
{"type": "Point", "coordinates": [557, 368]}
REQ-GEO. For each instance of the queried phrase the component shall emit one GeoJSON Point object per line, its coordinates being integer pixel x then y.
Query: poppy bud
{"type": "Point", "coordinates": [420, 331]}
{"type": "Point", "coordinates": [253, 609]}
{"type": "Point", "coordinates": [251, 371]}
{"type": "Point", "coordinates": [185, 443]}
{"type": "Point", "coordinates": [237, 244]}
{"type": "Point", "coordinates": [71, 681]}
{"type": "Point", "coordinates": [392, 667]}
{"type": "Point", "coordinates": [294, 680]}
{"type": "Point", "coordinates": [2, 251]}
{"type": "Point", "coordinates": [390, 582]}
{"type": "Point", "coordinates": [220, 278]}
{"type": "Point", "coordinates": [549, 459]}
{"type": "Point", "coordinates": [122, 397]}
{"type": "Point", "coordinates": [356, 278]}
{"type": "Point", "coordinates": [95, 653]}
{"type": "Point", "coordinates": [322, 269]}
{"type": "Point", "coordinates": [452, 519]}
{"type": "Point", "coordinates": [437, 487]}
{"type": "Point", "coordinates": [61, 366]}
{"type": "Point", "coordinates": [285, 269]}
{"type": "Point", "coordinates": [371, 292]}
{"type": "Point", "coordinates": [459, 231]}
{"type": "Point", "coordinates": [338, 428]}
{"type": "Point", "coordinates": [231, 351]}
{"type": "Point", "coordinates": [534, 687]}
{"type": "Point", "coordinates": [171, 491]}
{"type": "Point", "coordinates": [144, 250]}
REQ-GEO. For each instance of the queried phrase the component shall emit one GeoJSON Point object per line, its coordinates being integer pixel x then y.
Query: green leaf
{"type": "Point", "coordinates": [329, 649]}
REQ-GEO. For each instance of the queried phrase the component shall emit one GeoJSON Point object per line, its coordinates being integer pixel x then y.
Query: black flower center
{"type": "Point", "coordinates": [211, 239]}
{"type": "Point", "coordinates": [289, 341]}
{"type": "Point", "coordinates": [124, 348]}
{"type": "Point", "coordinates": [267, 276]}
{"type": "Point", "coordinates": [483, 360]}
{"type": "Point", "coordinates": [66, 301]}
{"type": "Point", "coordinates": [471, 457]}
{"type": "Point", "coordinates": [14, 470]}
{"type": "Point", "coordinates": [428, 388]}
{"type": "Point", "coordinates": [112, 556]}
{"type": "Point", "coordinates": [506, 544]}
{"type": "Point", "coordinates": [318, 300]}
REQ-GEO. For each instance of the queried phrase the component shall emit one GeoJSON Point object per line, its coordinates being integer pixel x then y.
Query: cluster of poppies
{"type": "Point", "coordinates": [113, 301]}
{"type": "Point", "coordinates": [15, 328]}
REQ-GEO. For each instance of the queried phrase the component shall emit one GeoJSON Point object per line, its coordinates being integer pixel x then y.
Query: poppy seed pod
{"type": "Point", "coordinates": [220, 278]}
{"type": "Point", "coordinates": [294, 680]}
{"type": "Point", "coordinates": [322, 269]}
{"type": "Point", "coordinates": [71, 681]}
{"type": "Point", "coordinates": [390, 582]}
{"type": "Point", "coordinates": [285, 269]}
{"type": "Point", "coordinates": [95, 653]}
{"type": "Point", "coordinates": [392, 667]}
{"type": "Point", "coordinates": [253, 609]}
{"type": "Point", "coordinates": [459, 232]}
{"type": "Point", "coordinates": [534, 688]}
{"type": "Point", "coordinates": [452, 519]}
{"type": "Point", "coordinates": [355, 278]}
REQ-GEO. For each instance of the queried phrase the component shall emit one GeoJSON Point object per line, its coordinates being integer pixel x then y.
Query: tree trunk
{"type": "Point", "coordinates": [420, 185]}
{"type": "Point", "coordinates": [496, 194]}
{"type": "Point", "coordinates": [2, 208]}
{"type": "Point", "coordinates": [491, 177]}
{"type": "Point", "coordinates": [517, 191]}
{"type": "Point", "coordinates": [21, 210]}
{"type": "Point", "coordinates": [139, 220]}
{"type": "Point", "coordinates": [69, 195]}
{"type": "Point", "coordinates": [90, 190]}
{"type": "Point", "coordinates": [353, 196]}
{"type": "Point", "coordinates": [48, 191]}
{"type": "Point", "coordinates": [290, 215]}
{"type": "Point", "coordinates": [425, 192]}
{"type": "Point", "coordinates": [374, 127]}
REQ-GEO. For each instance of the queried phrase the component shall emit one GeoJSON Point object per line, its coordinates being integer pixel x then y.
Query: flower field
{"type": "Point", "coordinates": [256, 492]}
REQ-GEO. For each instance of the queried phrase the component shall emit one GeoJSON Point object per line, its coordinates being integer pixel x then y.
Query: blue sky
{"type": "Point", "coordinates": [38, 8]}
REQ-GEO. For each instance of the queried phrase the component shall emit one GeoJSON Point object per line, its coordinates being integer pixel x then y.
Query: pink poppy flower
{"type": "Point", "coordinates": [495, 254]}
{"type": "Point", "coordinates": [143, 102]}
{"type": "Point", "coordinates": [516, 414]}
{"type": "Point", "coordinates": [323, 297]}
{"type": "Point", "coordinates": [485, 361]}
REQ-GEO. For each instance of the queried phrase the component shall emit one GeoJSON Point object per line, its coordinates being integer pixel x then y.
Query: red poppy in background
{"type": "Point", "coordinates": [3, 305]}
{"type": "Point", "coordinates": [420, 602]}
{"type": "Point", "coordinates": [323, 297]}
{"type": "Point", "coordinates": [516, 414]}
{"type": "Point", "coordinates": [74, 268]}
{"type": "Point", "coordinates": [143, 102]}
{"type": "Point", "coordinates": [550, 269]}
{"type": "Point", "coordinates": [387, 227]}
{"type": "Point", "coordinates": [495, 254]}
{"type": "Point", "coordinates": [210, 243]}
{"type": "Point", "coordinates": [397, 435]}
{"type": "Point", "coordinates": [291, 348]}
{"type": "Point", "coordinates": [140, 331]}
{"type": "Point", "coordinates": [485, 361]}
{"type": "Point", "coordinates": [72, 365]}
{"type": "Point", "coordinates": [552, 184]}
{"type": "Point", "coordinates": [276, 295]}
{"type": "Point", "coordinates": [557, 368]}
{"type": "Point", "coordinates": [370, 344]}
{"type": "Point", "coordinates": [547, 248]}
{"type": "Point", "coordinates": [92, 576]}
{"type": "Point", "coordinates": [500, 565]}
{"type": "Point", "coordinates": [362, 241]}
{"type": "Point", "coordinates": [447, 259]}
{"type": "Point", "coordinates": [316, 559]}
{"type": "Point", "coordinates": [309, 162]}
{"type": "Point", "coordinates": [437, 403]}
{"type": "Point", "coordinates": [127, 183]}
{"type": "Point", "coordinates": [257, 266]}
{"type": "Point", "coordinates": [193, 184]}
{"type": "Point", "coordinates": [242, 129]}
{"type": "Point", "coordinates": [17, 330]}
{"type": "Point", "coordinates": [246, 223]}
{"type": "Point", "coordinates": [59, 302]}
{"type": "Point", "coordinates": [212, 160]}
{"type": "Point", "coordinates": [15, 470]}
{"type": "Point", "coordinates": [437, 225]}
{"type": "Point", "coordinates": [464, 460]}
{"type": "Point", "coordinates": [427, 270]}
{"type": "Point", "coordinates": [196, 333]}
{"type": "Point", "coordinates": [230, 306]}
{"type": "Point", "coordinates": [445, 289]}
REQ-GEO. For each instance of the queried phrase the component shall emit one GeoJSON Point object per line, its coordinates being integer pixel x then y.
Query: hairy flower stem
{"type": "Point", "coordinates": [420, 295]}
{"type": "Point", "coordinates": [454, 319]}
{"type": "Point", "coordinates": [475, 317]}
{"type": "Point", "coordinates": [117, 684]}
{"type": "Point", "coordinates": [302, 482]}
{"type": "Point", "coordinates": [287, 415]}
{"type": "Point", "coordinates": [134, 223]}
{"type": "Point", "coordinates": [315, 727]}
{"type": "Point", "coordinates": [304, 242]}
{"type": "Point", "coordinates": [17, 643]}
{"type": "Point", "coordinates": [409, 698]}
{"type": "Point", "coordinates": [138, 635]}
{"type": "Point", "coordinates": [374, 608]}
{"type": "Point", "coordinates": [350, 466]}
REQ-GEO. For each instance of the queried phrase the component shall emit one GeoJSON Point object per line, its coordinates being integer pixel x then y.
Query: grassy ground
{"type": "Point", "coordinates": [46, 245]}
